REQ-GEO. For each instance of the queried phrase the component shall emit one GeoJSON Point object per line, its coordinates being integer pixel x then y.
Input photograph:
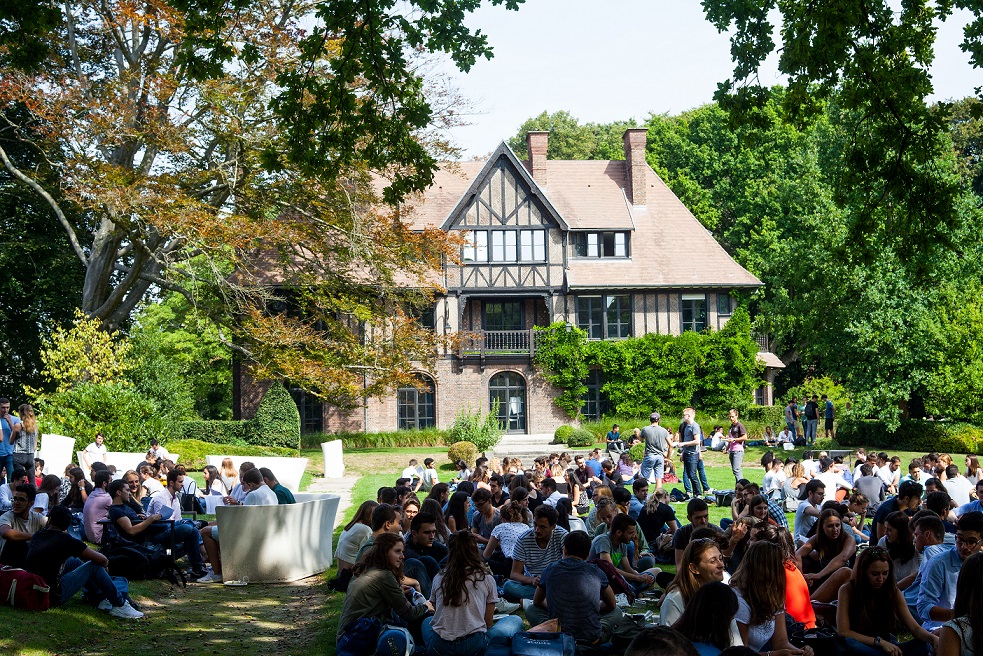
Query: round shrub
{"type": "Point", "coordinates": [277, 421]}
{"type": "Point", "coordinates": [824, 444]}
{"type": "Point", "coordinates": [637, 452]}
{"type": "Point", "coordinates": [562, 434]}
{"type": "Point", "coordinates": [580, 437]}
{"type": "Point", "coordinates": [465, 451]}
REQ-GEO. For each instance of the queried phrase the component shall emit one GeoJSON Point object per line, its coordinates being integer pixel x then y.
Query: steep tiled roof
{"type": "Point", "coordinates": [669, 247]}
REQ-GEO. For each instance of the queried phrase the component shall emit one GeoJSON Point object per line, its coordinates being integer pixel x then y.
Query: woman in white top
{"type": "Point", "coordinates": [506, 534]}
{"type": "Point", "coordinates": [701, 563]}
{"type": "Point", "coordinates": [973, 471]}
{"type": "Point", "coordinates": [214, 483]}
{"type": "Point", "coordinates": [759, 583]}
{"type": "Point", "coordinates": [957, 637]}
{"type": "Point", "coordinates": [354, 535]}
{"type": "Point", "coordinates": [464, 596]}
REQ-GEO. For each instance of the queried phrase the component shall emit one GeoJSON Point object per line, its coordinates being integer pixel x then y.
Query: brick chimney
{"type": "Point", "coordinates": [536, 143]}
{"type": "Point", "coordinates": [634, 139]}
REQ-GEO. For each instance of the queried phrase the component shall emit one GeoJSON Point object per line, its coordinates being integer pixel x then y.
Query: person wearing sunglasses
{"type": "Point", "coordinates": [18, 525]}
{"type": "Point", "coordinates": [938, 587]}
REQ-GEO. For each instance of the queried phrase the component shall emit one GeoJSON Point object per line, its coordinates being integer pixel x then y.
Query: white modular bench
{"type": "Point", "coordinates": [334, 462]}
{"type": "Point", "coordinates": [276, 544]}
{"type": "Point", "coordinates": [287, 470]}
{"type": "Point", "coordinates": [56, 451]}
{"type": "Point", "coordinates": [120, 459]}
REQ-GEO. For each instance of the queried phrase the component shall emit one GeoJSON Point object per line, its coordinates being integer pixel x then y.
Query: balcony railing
{"type": "Point", "coordinates": [484, 343]}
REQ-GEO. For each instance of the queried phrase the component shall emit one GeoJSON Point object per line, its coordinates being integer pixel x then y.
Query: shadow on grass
{"type": "Point", "coordinates": [295, 618]}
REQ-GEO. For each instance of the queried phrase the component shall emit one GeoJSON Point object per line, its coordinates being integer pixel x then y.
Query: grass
{"type": "Point", "coordinates": [296, 618]}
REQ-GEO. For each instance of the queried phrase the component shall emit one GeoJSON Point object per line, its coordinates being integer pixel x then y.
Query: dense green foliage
{"type": "Point", "coordinates": [580, 437]}
{"type": "Point", "coordinates": [912, 435]}
{"type": "Point", "coordinates": [716, 370]}
{"type": "Point", "coordinates": [562, 434]}
{"type": "Point", "coordinates": [119, 411]}
{"type": "Point", "coordinates": [465, 451]}
{"type": "Point", "coordinates": [571, 140]}
{"type": "Point", "coordinates": [383, 440]}
{"type": "Point", "coordinates": [817, 386]}
{"type": "Point", "coordinates": [481, 429]}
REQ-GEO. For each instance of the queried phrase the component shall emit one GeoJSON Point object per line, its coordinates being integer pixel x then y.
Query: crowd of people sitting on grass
{"type": "Point", "coordinates": [579, 544]}
{"type": "Point", "coordinates": [78, 535]}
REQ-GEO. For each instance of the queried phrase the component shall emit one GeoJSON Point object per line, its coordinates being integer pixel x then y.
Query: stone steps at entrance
{"type": "Point", "coordinates": [529, 447]}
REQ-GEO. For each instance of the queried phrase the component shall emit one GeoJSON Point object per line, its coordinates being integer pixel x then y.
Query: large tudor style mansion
{"type": "Point", "coordinates": [602, 245]}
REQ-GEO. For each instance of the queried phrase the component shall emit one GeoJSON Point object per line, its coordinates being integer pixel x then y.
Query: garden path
{"type": "Point", "coordinates": [342, 487]}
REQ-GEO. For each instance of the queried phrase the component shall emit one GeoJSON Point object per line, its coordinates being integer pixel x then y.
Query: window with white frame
{"type": "Point", "coordinates": [600, 244]}
{"type": "Point", "coordinates": [505, 246]}
{"type": "Point", "coordinates": [694, 312]}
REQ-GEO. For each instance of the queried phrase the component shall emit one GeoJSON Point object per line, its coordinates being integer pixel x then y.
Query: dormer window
{"type": "Point", "coordinates": [600, 244]}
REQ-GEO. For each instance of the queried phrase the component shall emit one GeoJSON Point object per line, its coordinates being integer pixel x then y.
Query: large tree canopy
{"type": "Point", "coordinates": [219, 150]}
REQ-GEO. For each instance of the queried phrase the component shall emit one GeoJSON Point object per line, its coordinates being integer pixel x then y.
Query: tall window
{"type": "Point", "coordinates": [694, 310]}
{"type": "Point", "coordinates": [509, 389]}
{"type": "Point", "coordinates": [416, 407]}
{"type": "Point", "coordinates": [600, 244]}
{"type": "Point", "coordinates": [506, 246]}
{"type": "Point", "coordinates": [605, 317]}
{"type": "Point", "coordinates": [595, 401]}
{"type": "Point", "coordinates": [503, 316]}
{"type": "Point", "coordinates": [311, 411]}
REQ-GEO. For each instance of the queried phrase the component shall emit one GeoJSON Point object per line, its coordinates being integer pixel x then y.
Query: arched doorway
{"type": "Point", "coordinates": [509, 389]}
{"type": "Point", "coordinates": [417, 407]}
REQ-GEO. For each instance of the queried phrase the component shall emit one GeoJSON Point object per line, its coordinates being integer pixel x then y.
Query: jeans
{"type": "Point", "coordinates": [910, 648]}
{"type": "Point", "coordinates": [810, 429]}
{"type": "Point", "coordinates": [7, 462]}
{"type": "Point", "coordinates": [652, 463]}
{"type": "Point", "coordinates": [515, 591]}
{"type": "Point", "coordinates": [186, 540]}
{"type": "Point", "coordinates": [476, 643]}
{"type": "Point", "coordinates": [420, 570]}
{"type": "Point", "coordinates": [25, 460]}
{"type": "Point", "coordinates": [702, 471]}
{"type": "Point", "coordinates": [78, 574]}
{"type": "Point", "coordinates": [736, 464]}
{"type": "Point", "coordinates": [691, 480]}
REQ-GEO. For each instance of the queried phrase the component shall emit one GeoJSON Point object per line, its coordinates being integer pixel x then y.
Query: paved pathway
{"type": "Point", "coordinates": [341, 486]}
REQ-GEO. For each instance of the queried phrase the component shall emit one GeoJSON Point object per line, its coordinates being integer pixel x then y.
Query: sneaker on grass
{"type": "Point", "coordinates": [126, 611]}
{"type": "Point", "coordinates": [105, 605]}
{"type": "Point", "coordinates": [504, 607]}
{"type": "Point", "coordinates": [211, 577]}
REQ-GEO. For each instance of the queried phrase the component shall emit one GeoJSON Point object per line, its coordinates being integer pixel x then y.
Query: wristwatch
{"type": "Point", "coordinates": [877, 641]}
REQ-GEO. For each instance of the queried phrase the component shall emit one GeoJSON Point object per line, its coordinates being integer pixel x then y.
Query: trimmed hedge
{"type": "Point", "coordinates": [384, 440]}
{"type": "Point", "coordinates": [193, 452]}
{"type": "Point", "coordinates": [580, 438]}
{"type": "Point", "coordinates": [465, 451]}
{"type": "Point", "coordinates": [276, 424]}
{"type": "Point", "coordinates": [912, 435]}
{"type": "Point", "coordinates": [562, 434]}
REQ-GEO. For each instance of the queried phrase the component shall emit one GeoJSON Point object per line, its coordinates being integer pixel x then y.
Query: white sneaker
{"type": "Point", "coordinates": [105, 605]}
{"type": "Point", "coordinates": [126, 611]}
{"type": "Point", "coordinates": [211, 577]}
{"type": "Point", "coordinates": [505, 607]}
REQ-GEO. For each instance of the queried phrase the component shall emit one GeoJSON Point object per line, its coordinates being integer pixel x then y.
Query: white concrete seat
{"type": "Point", "coordinates": [122, 460]}
{"type": "Point", "coordinates": [287, 470]}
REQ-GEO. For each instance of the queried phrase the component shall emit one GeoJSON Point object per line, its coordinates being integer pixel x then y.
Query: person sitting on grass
{"type": "Point", "coordinates": [379, 590]}
{"type": "Point", "coordinates": [577, 594]}
{"type": "Point", "coordinates": [535, 550]}
{"type": "Point", "coordinates": [259, 494]}
{"type": "Point", "coordinates": [613, 547]}
{"type": "Point", "coordinates": [283, 495]}
{"type": "Point", "coordinates": [871, 611]}
{"type": "Point", "coordinates": [698, 514]}
{"type": "Point", "coordinates": [827, 555]}
{"type": "Point", "coordinates": [760, 587]}
{"type": "Point", "coordinates": [464, 598]}
{"type": "Point", "coordinates": [96, 507]}
{"type": "Point", "coordinates": [702, 565]}
{"type": "Point", "coordinates": [354, 535]}
{"type": "Point", "coordinates": [67, 565]}
{"type": "Point", "coordinates": [716, 600]}
{"type": "Point", "coordinates": [798, 604]}
{"type": "Point", "coordinates": [18, 524]}
{"type": "Point", "coordinates": [957, 636]}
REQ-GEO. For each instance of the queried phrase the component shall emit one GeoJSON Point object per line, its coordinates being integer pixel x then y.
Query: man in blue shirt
{"type": "Point", "coordinates": [938, 586]}
{"type": "Point", "coordinates": [594, 462]}
{"type": "Point", "coordinates": [928, 536]}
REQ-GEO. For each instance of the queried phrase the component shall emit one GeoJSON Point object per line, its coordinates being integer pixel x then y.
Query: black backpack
{"type": "Point", "coordinates": [139, 561]}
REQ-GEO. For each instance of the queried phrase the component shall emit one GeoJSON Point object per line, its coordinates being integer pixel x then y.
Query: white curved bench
{"type": "Point", "coordinates": [122, 460]}
{"type": "Point", "coordinates": [288, 471]}
{"type": "Point", "coordinates": [277, 544]}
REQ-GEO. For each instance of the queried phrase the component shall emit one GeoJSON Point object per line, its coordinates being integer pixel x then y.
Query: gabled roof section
{"type": "Point", "coordinates": [519, 171]}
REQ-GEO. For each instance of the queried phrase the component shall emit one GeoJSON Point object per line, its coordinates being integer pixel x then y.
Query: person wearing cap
{"type": "Point", "coordinates": [656, 439]}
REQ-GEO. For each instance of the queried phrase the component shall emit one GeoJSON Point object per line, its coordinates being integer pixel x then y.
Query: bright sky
{"type": "Point", "coordinates": [607, 60]}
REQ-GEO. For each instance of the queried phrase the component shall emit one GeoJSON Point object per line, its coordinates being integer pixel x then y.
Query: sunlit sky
{"type": "Point", "coordinates": [607, 60]}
